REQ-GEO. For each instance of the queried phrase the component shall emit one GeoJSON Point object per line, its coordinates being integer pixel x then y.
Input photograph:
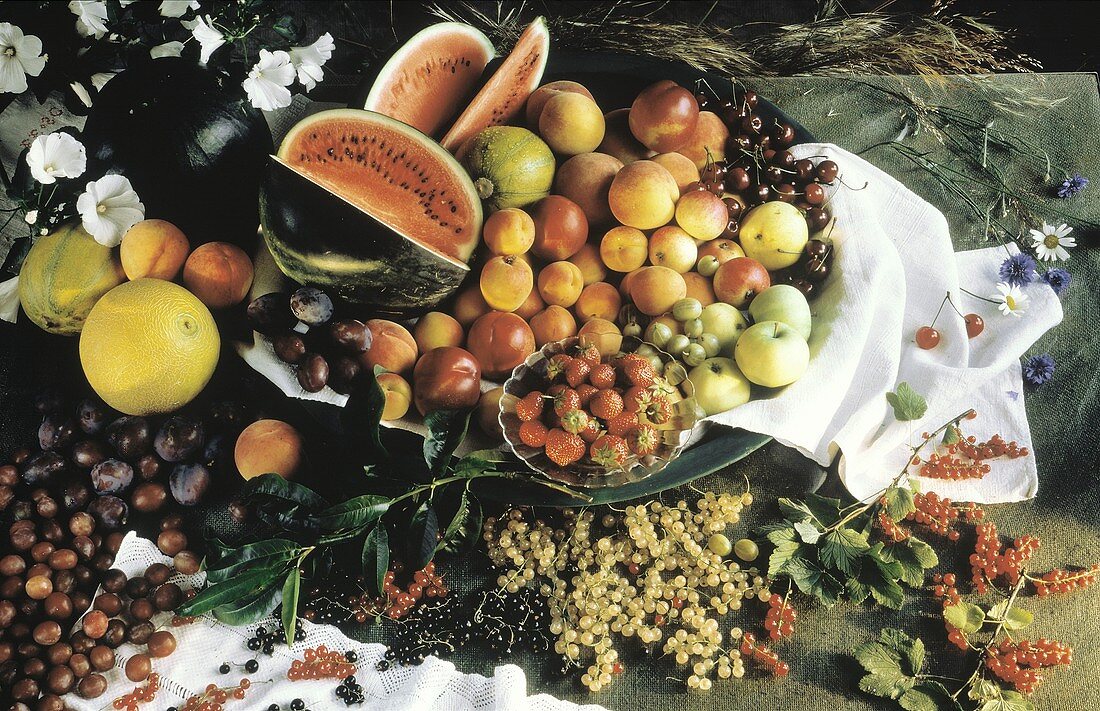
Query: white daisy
{"type": "Point", "coordinates": [1051, 242]}
{"type": "Point", "coordinates": [309, 60]}
{"type": "Point", "coordinates": [267, 82]}
{"type": "Point", "coordinates": [1010, 300]}
{"type": "Point", "coordinates": [56, 155]}
{"type": "Point", "coordinates": [91, 17]}
{"type": "Point", "coordinates": [209, 37]}
{"type": "Point", "coordinates": [177, 8]}
{"type": "Point", "coordinates": [108, 207]}
{"type": "Point", "coordinates": [31, 217]}
{"type": "Point", "coordinates": [20, 55]}
{"type": "Point", "coordinates": [168, 49]}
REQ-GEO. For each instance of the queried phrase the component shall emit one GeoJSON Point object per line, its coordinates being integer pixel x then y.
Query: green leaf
{"type": "Point", "coordinates": [1017, 619]}
{"type": "Point", "coordinates": [291, 588]}
{"type": "Point", "coordinates": [781, 533]}
{"type": "Point", "coordinates": [423, 536]}
{"type": "Point", "coordinates": [842, 549]}
{"type": "Point", "coordinates": [877, 658]}
{"type": "Point", "coordinates": [354, 513]}
{"type": "Point", "coordinates": [807, 532]}
{"type": "Point", "coordinates": [964, 616]}
{"type": "Point", "coordinates": [951, 435]}
{"type": "Point", "coordinates": [915, 657]}
{"type": "Point", "coordinates": [857, 591]}
{"type": "Point", "coordinates": [784, 554]}
{"type": "Point", "coordinates": [914, 556]}
{"type": "Point", "coordinates": [270, 553]}
{"type": "Point", "coordinates": [928, 696]}
{"type": "Point", "coordinates": [251, 608]}
{"type": "Point", "coordinates": [362, 415]}
{"type": "Point", "coordinates": [1008, 701]}
{"type": "Point", "coordinates": [228, 591]}
{"type": "Point", "coordinates": [376, 557]}
{"type": "Point", "coordinates": [457, 527]}
{"type": "Point", "coordinates": [446, 430]}
{"type": "Point", "coordinates": [899, 502]}
{"type": "Point", "coordinates": [889, 686]}
{"type": "Point", "coordinates": [812, 579]}
{"type": "Point", "coordinates": [277, 487]}
{"type": "Point", "coordinates": [908, 404]}
{"type": "Point", "coordinates": [881, 576]}
{"type": "Point", "coordinates": [824, 511]}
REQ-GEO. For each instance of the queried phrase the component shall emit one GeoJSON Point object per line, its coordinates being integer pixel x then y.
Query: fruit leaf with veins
{"type": "Point", "coordinates": [908, 404]}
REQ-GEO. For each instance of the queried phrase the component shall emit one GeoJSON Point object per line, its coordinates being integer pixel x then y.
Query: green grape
{"type": "Point", "coordinates": [677, 344]}
{"type": "Point", "coordinates": [746, 549]}
{"type": "Point", "coordinates": [694, 355]}
{"type": "Point", "coordinates": [687, 309]}
{"type": "Point", "coordinates": [656, 362]}
{"type": "Point", "coordinates": [710, 344]}
{"type": "Point", "coordinates": [693, 328]}
{"type": "Point", "coordinates": [645, 350]}
{"type": "Point", "coordinates": [658, 334]}
{"type": "Point", "coordinates": [707, 265]}
{"type": "Point", "coordinates": [719, 545]}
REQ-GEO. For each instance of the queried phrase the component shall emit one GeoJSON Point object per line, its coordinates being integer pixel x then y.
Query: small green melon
{"type": "Point", "coordinates": [510, 166]}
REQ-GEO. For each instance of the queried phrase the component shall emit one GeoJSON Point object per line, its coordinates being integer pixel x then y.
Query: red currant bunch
{"type": "Point", "coordinates": [935, 513]}
{"type": "Point", "coordinates": [1059, 582]}
{"type": "Point", "coordinates": [1019, 663]}
{"type": "Point", "coordinates": [890, 529]}
{"type": "Point", "coordinates": [763, 656]}
{"type": "Point", "coordinates": [780, 618]}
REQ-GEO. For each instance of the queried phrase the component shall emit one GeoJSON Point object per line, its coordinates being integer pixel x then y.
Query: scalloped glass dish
{"type": "Point", "coordinates": [674, 434]}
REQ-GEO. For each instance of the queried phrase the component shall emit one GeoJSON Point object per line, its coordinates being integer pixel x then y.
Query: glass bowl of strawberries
{"type": "Point", "coordinates": [595, 419]}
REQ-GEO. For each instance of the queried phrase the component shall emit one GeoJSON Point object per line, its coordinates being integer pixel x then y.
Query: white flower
{"type": "Point", "coordinates": [31, 217]}
{"type": "Point", "coordinates": [309, 60]}
{"type": "Point", "coordinates": [209, 38]}
{"type": "Point", "coordinates": [108, 207]}
{"type": "Point", "coordinates": [56, 155]}
{"type": "Point", "coordinates": [267, 83]}
{"type": "Point", "coordinates": [91, 17]}
{"type": "Point", "coordinates": [177, 8]}
{"type": "Point", "coordinates": [1051, 243]}
{"type": "Point", "coordinates": [20, 55]}
{"type": "Point", "coordinates": [1010, 300]}
{"type": "Point", "coordinates": [168, 49]}
{"type": "Point", "coordinates": [100, 79]}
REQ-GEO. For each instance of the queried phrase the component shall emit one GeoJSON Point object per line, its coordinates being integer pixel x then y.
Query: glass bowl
{"type": "Point", "coordinates": [673, 435]}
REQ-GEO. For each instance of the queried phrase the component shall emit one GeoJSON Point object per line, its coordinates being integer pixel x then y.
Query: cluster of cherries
{"type": "Point", "coordinates": [967, 458]}
{"type": "Point", "coordinates": [779, 620]}
{"type": "Point", "coordinates": [990, 559]}
{"type": "Point", "coordinates": [141, 694]}
{"type": "Point", "coordinates": [763, 656]}
{"type": "Point", "coordinates": [1060, 581]}
{"type": "Point", "coordinates": [928, 337]}
{"type": "Point", "coordinates": [214, 697]}
{"type": "Point", "coordinates": [1020, 663]}
{"type": "Point", "coordinates": [320, 662]}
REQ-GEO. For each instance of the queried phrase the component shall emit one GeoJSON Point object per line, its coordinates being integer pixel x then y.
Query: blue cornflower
{"type": "Point", "coordinates": [1018, 270]}
{"type": "Point", "coordinates": [1038, 369]}
{"type": "Point", "coordinates": [1058, 279]}
{"type": "Point", "coordinates": [1072, 186]}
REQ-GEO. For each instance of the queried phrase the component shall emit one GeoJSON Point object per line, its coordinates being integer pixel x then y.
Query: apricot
{"type": "Point", "coordinates": [655, 289]}
{"type": "Point", "coordinates": [624, 284]}
{"type": "Point", "coordinates": [680, 166]}
{"type": "Point", "coordinates": [699, 288]}
{"type": "Point", "coordinates": [599, 300]}
{"type": "Point", "coordinates": [738, 281]}
{"type": "Point", "coordinates": [509, 231]}
{"type": "Point", "coordinates": [553, 324]}
{"type": "Point", "coordinates": [219, 274]}
{"type": "Point", "coordinates": [560, 228]}
{"type": "Point", "coordinates": [392, 347]}
{"type": "Point", "coordinates": [721, 249]}
{"type": "Point", "coordinates": [604, 334]}
{"type": "Point", "coordinates": [268, 447]}
{"type": "Point", "coordinates": [537, 100]}
{"type": "Point", "coordinates": [500, 341]}
{"type": "Point", "coordinates": [643, 195]}
{"type": "Point", "coordinates": [153, 248]}
{"type": "Point", "coordinates": [589, 262]}
{"type": "Point", "coordinates": [663, 116]}
{"type": "Point", "coordinates": [702, 214]}
{"type": "Point", "coordinates": [447, 378]}
{"type": "Point", "coordinates": [571, 123]}
{"type": "Point", "coordinates": [399, 396]}
{"type": "Point", "coordinates": [488, 410]}
{"type": "Point", "coordinates": [618, 141]}
{"type": "Point", "coordinates": [708, 141]}
{"type": "Point", "coordinates": [531, 306]}
{"type": "Point", "coordinates": [561, 283]}
{"type": "Point", "coordinates": [506, 282]}
{"type": "Point", "coordinates": [469, 305]}
{"type": "Point", "coordinates": [586, 179]}
{"type": "Point", "coordinates": [624, 249]}
{"type": "Point", "coordinates": [674, 248]}
{"type": "Point", "coordinates": [436, 329]}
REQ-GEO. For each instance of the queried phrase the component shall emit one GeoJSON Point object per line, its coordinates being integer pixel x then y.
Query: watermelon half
{"type": "Point", "coordinates": [370, 209]}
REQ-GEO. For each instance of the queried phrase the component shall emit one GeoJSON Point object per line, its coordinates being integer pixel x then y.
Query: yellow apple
{"type": "Point", "coordinates": [774, 234]}
{"type": "Point", "coordinates": [726, 323]}
{"type": "Point", "coordinates": [772, 354]}
{"type": "Point", "coordinates": [719, 385]}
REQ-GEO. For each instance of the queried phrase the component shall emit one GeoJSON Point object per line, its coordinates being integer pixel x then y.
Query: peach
{"type": "Point", "coordinates": [537, 100]}
{"type": "Point", "coordinates": [618, 141]}
{"type": "Point", "coordinates": [674, 248]}
{"type": "Point", "coordinates": [506, 282]}
{"type": "Point", "coordinates": [531, 306]}
{"type": "Point", "coordinates": [604, 334]}
{"type": "Point", "coordinates": [624, 284]}
{"type": "Point", "coordinates": [153, 248]}
{"type": "Point", "coordinates": [392, 347]}
{"type": "Point", "coordinates": [683, 170]}
{"type": "Point", "coordinates": [219, 274]}
{"type": "Point", "coordinates": [553, 324]}
{"type": "Point", "coordinates": [699, 288]}
{"type": "Point", "coordinates": [268, 447]}
{"type": "Point", "coordinates": [500, 341]}
{"type": "Point", "coordinates": [399, 396]}
{"type": "Point", "coordinates": [560, 228]}
{"type": "Point", "coordinates": [739, 280]}
{"type": "Point", "coordinates": [655, 289]}
{"type": "Point", "coordinates": [644, 195]}
{"type": "Point", "coordinates": [624, 249]}
{"type": "Point", "coordinates": [599, 300]}
{"type": "Point", "coordinates": [436, 329]}
{"type": "Point", "coordinates": [663, 116]}
{"type": "Point", "coordinates": [721, 249]}
{"type": "Point", "coordinates": [702, 214]}
{"type": "Point", "coordinates": [571, 124]}
{"type": "Point", "coordinates": [589, 262]}
{"type": "Point", "coordinates": [586, 179]}
{"type": "Point", "coordinates": [469, 305]}
{"type": "Point", "coordinates": [488, 410]}
{"type": "Point", "coordinates": [560, 283]}
{"type": "Point", "coordinates": [708, 142]}
{"type": "Point", "coordinates": [447, 378]}
{"type": "Point", "coordinates": [509, 231]}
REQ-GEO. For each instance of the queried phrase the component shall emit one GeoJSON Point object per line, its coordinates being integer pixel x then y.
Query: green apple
{"type": "Point", "coordinates": [719, 385]}
{"type": "Point", "coordinates": [774, 234]}
{"type": "Point", "coordinates": [785, 303]}
{"type": "Point", "coordinates": [725, 322]}
{"type": "Point", "coordinates": [772, 354]}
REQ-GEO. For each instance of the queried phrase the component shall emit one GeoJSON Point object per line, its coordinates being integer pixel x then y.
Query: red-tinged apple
{"type": "Point", "coordinates": [739, 280]}
{"type": "Point", "coordinates": [785, 303]}
{"type": "Point", "coordinates": [774, 234]}
{"type": "Point", "coordinates": [719, 385]}
{"type": "Point", "coordinates": [772, 354]}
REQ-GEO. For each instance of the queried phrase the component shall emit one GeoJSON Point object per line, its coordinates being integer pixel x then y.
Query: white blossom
{"type": "Point", "coordinates": [91, 17]}
{"type": "Point", "coordinates": [308, 61]}
{"type": "Point", "coordinates": [1010, 299]}
{"type": "Point", "coordinates": [31, 217]}
{"type": "Point", "coordinates": [108, 208]}
{"type": "Point", "coordinates": [1051, 243]}
{"type": "Point", "coordinates": [177, 8]}
{"type": "Point", "coordinates": [20, 55]}
{"type": "Point", "coordinates": [208, 36]}
{"type": "Point", "coordinates": [267, 82]}
{"type": "Point", "coordinates": [56, 155]}
{"type": "Point", "coordinates": [168, 49]}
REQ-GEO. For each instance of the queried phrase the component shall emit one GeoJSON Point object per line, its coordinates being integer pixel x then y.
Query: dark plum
{"type": "Point", "coordinates": [311, 306]}
{"type": "Point", "coordinates": [56, 431]}
{"type": "Point", "coordinates": [109, 511]}
{"type": "Point", "coordinates": [75, 496]}
{"type": "Point", "coordinates": [270, 313]}
{"type": "Point", "coordinates": [313, 373]}
{"type": "Point", "coordinates": [289, 347]}
{"type": "Point", "coordinates": [189, 483]}
{"type": "Point", "coordinates": [178, 439]}
{"type": "Point", "coordinates": [87, 453]}
{"type": "Point", "coordinates": [351, 335]}
{"type": "Point", "coordinates": [112, 476]}
{"type": "Point", "coordinates": [342, 371]}
{"type": "Point", "coordinates": [43, 468]}
{"type": "Point", "coordinates": [92, 415]}
{"type": "Point", "coordinates": [131, 437]}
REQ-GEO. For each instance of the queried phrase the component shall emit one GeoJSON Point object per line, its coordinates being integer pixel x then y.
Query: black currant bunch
{"type": "Point", "coordinates": [350, 692]}
{"type": "Point", "coordinates": [264, 641]}
{"type": "Point", "coordinates": [510, 621]}
{"type": "Point", "coordinates": [436, 627]}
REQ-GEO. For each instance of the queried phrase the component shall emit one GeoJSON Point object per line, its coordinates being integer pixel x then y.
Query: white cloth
{"type": "Point", "coordinates": [205, 644]}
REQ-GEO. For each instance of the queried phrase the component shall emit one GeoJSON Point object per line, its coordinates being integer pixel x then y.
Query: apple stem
{"type": "Point", "coordinates": [776, 334]}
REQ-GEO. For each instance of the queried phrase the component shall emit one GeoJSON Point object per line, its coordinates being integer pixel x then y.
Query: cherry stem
{"type": "Point", "coordinates": [976, 296]}
{"type": "Point", "coordinates": [946, 298]}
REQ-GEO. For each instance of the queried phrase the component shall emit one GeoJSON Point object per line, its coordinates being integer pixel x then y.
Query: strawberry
{"type": "Point", "coordinates": [565, 399]}
{"type": "Point", "coordinates": [529, 407]}
{"type": "Point", "coordinates": [533, 433]}
{"type": "Point", "coordinates": [557, 366]}
{"type": "Point", "coordinates": [622, 424]}
{"type": "Point", "coordinates": [638, 371]}
{"type": "Point", "coordinates": [577, 372]}
{"type": "Point", "coordinates": [635, 399]}
{"type": "Point", "coordinates": [574, 421]}
{"type": "Point", "coordinates": [643, 440]}
{"type": "Point", "coordinates": [602, 376]}
{"type": "Point", "coordinates": [606, 404]}
{"type": "Point", "coordinates": [589, 353]}
{"type": "Point", "coordinates": [592, 432]}
{"type": "Point", "coordinates": [609, 451]}
{"type": "Point", "coordinates": [586, 391]}
{"type": "Point", "coordinates": [659, 410]}
{"type": "Point", "coordinates": [563, 448]}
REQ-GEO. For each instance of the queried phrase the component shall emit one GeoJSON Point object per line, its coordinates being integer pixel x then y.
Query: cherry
{"type": "Point", "coordinates": [784, 159]}
{"type": "Point", "coordinates": [738, 179]}
{"type": "Point", "coordinates": [827, 171]}
{"type": "Point", "coordinates": [817, 270]}
{"type": "Point", "coordinates": [927, 338]}
{"type": "Point", "coordinates": [760, 193]}
{"type": "Point", "coordinates": [785, 192]}
{"type": "Point", "coordinates": [815, 194]}
{"type": "Point", "coordinates": [804, 285]}
{"type": "Point", "coordinates": [712, 172]}
{"type": "Point", "coordinates": [774, 174]}
{"type": "Point", "coordinates": [738, 143]}
{"type": "Point", "coordinates": [817, 248]}
{"type": "Point", "coordinates": [783, 134]}
{"type": "Point", "coordinates": [733, 228]}
{"type": "Point", "coordinates": [804, 170]}
{"type": "Point", "coordinates": [703, 99]}
{"type": "Point", "coordinates": [733, 207]}
{"type": "Point", "coordinates": [750, 99]}
{"type": "Point", "coordinates": [752, 125]}
{"type": "Point", "coordinates": [817, 217]}
{"type": "Point", "coordinates": [768, 155]}
{"type": "Point", "coordinates": [974, 325]}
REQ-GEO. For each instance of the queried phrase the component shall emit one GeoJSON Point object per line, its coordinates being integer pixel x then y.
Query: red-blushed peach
{"type": "Point", "coordinates": [398, 393]}
{"type": "Point", "coordinates": [268, 447]}
{"type": "Point", "coordinates": [618, 141]}
{"type": "Point", "coordinates": [655, 289]}
{"type": "Point", "coordinates": [708, 141]}
{"type": "Point", "coordinates": [560, 228]}
{"type": "Point", "coordinates": [643, 195]}
{"type": "Point", "coordinates": [537, 100]}
{"type": "Point", "coordinates": [500, 341]}
{"type": "Point", "coordinates": [624, 284]}
{"type": "Point", "coordinates": [602, 333]}
{"type": "Point", "coordinates": [702, 214]}
{"type": "Point", "coordinates": [586, 179]}
{"type": "Point", "coordinates": [680, 166]}
{"type": "Point", "coordinates": [447, 378]}
{"type": "Point", "coordinates": [154, 248]}
{"type": "Point", "coordinates": [663, 116]}
{"type": "Point", "coordinates": [488, 410]}
{"type": "Point", "coordinates": [392, 347]}
{"type": "Point", "coordinates": [624, 249]}
{"type": "Point", "coordinates": [553, 324]}
{"type": "Point", "coordinates": [469, 305]}
{"type": "Point", "coordinates": [531, 306]}
{"type": "Point", "coordinates": [739, 280]}
{"type": "Point", "coordinates": [436, 329]}
{"type": "Point", "coordinates": [674, 248]}
{"type": "Point", "coordinates": [571, 124]}
{"type": "Point", "coordinates": [699, 288]}
{"type": "Point", "coordinates": [599, 300]}
{"type": "Point", "coordinates": [506, 282]}
{"type": "Point", "coordinates": [219, 274]}
{"type": "Point", "coordinates": [509, 231]}
{"type": "Point", "coordinates": [560, 283]}
{"type": "Point", "coordinates": [589, 262]}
